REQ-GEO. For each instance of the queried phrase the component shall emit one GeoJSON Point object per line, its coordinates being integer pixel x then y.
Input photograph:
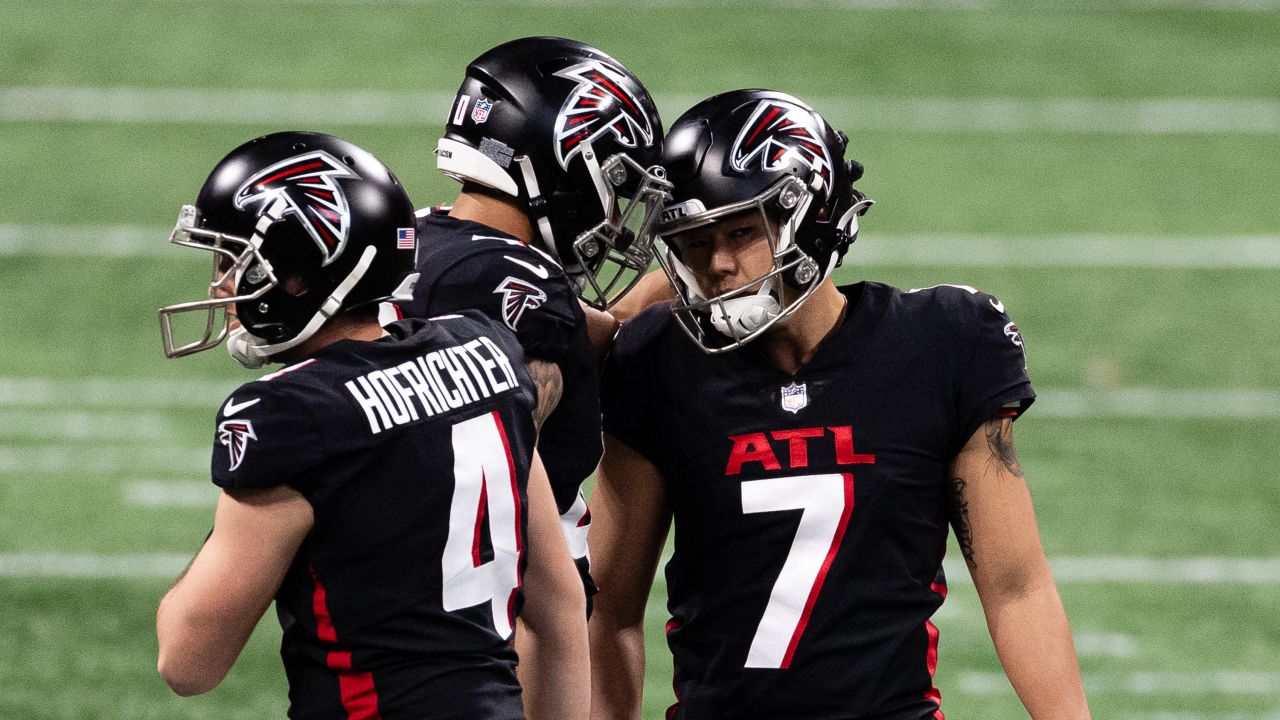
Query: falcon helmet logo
{"type": "Point", "coordinates": [776, 130]}
{"type": "Point", "coordinates": [236, 434]}
{"type": "Point", "coordinates": [518, 296]}
{"type": "Point", "coordinates": [304, 187]}
{"type": "Point", "coordinates": [601, 103]}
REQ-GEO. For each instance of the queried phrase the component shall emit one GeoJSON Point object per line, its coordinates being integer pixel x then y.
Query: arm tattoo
{"type": "Point", "coordinates": [549, 386]}
{"type": "Point", "coordinates": [958, 512]}
{"type": "Point", "coordinates": [1000, 440]}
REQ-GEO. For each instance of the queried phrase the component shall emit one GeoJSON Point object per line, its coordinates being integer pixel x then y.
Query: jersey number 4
{"type": "Point", "coordinates": [484, 484]}
{"type": "Point", "coordinates": [826, 502]}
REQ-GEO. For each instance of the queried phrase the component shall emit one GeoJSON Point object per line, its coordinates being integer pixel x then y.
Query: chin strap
{"type": "Point", "coordinates": [246, 348]}
{"type": "Point", "coordinates": [253, 352]}
{"type": "Point", "coordinates": [537, 204]}
{"type": "Point", "coordinates": [741, 316]}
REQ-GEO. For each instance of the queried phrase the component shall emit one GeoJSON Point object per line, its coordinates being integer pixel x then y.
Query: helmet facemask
{"type": "Point", "coordinates": [610, 257]}
{"type": "Point", "coordinates": [237, 263]}
{"type": "Point", "coordinates": [731, 319]}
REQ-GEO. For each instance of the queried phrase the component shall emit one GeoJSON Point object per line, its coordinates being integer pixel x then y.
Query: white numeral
{"type": "Point", "coordinates": [827, 502]}
{"type": "Point", "coordinates": [484, 482]}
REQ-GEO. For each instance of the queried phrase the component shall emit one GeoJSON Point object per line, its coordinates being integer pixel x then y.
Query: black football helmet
{"type": "Point", "coordinates": [293, 205]}
{"type": "Point", "coordinates": [568, 132]}
{"type": "Point", "coordinates": [765, 151]}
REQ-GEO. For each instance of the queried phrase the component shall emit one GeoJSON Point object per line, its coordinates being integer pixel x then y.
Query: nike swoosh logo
{"type": "Point", "coordinates": [539, 270]}
{"type": "Point", "coordinates": [233, 407]}
{"type": "Point", "coordinates": [999, 306]}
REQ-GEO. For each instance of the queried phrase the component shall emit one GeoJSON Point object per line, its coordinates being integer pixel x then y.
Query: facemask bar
{"type": "Point", "coordinates": [233, 257]}
{"type": "Point", "coordinates": [612, 256]}
{"type": "Point", "coordinates": [693, 310]}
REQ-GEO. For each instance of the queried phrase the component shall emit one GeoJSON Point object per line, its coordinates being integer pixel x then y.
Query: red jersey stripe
{"type": "Point", "coordinates": [515, 496]}
{"type": "Point", "coordinates": [356, 689]}
{"type": "Point", "coordinates": [931, 658]}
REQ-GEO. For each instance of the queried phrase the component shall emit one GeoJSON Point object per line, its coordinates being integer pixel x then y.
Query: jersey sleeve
{"type": "Point", "coordinates": [523, 290]}
{"type": "Point", "coordinates": [265, 437]}
{"type": "Point", "coordinates": [993, 378]}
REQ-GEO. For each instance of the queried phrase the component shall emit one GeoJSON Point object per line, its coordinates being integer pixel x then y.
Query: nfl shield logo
{"type": "Point", "coordinates": [480, 112]}
{"type": "Point", "coordinates": [795, 397]}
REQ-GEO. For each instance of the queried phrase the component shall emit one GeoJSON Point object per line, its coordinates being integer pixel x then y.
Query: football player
{"type": "Point", "coordinates": [555, 144]}
{"type": "Point", "coordinates": [383, 486]}
{"type": "Point", "coordinates": [812, 443]}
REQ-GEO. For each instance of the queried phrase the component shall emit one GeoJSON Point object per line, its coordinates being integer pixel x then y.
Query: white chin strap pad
{"type": "Point", "coordinates": [740, 316]}
{"type": "Point", "coordinates": [245, 348]}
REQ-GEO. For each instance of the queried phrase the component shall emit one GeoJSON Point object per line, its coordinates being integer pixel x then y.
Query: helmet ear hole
{"type": "Point", "coordinates": [295, 285]}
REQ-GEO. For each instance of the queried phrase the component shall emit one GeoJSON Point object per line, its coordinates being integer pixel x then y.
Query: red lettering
{"type": "Point", "coordinates": [753, 447]}
{"type": "Point", "coordinates": [798, 444]}
{"type": "Point", "coordinates": [844, 448]}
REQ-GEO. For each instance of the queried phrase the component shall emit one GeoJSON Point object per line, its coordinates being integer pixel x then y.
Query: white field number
{"type": "Point", "coordinates": [826, 502]}
{"type": "Point", "coordinates": [484, 482]}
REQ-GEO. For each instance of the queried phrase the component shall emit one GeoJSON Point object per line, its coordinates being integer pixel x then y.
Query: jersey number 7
{"type": "Point", "coordinates": [827, 502]}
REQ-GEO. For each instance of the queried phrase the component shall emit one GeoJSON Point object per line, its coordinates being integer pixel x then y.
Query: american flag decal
{"type": "Point", "coordinates": [405, 238]}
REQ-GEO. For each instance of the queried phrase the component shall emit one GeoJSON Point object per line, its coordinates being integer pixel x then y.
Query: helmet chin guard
{"type": "Point", "coordinates": [739, 317]}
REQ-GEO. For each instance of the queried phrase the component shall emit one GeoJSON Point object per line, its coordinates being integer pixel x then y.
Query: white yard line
{"type": "Point", "coordinates": [1150, 402]}
{"type": "Point", "coordinates": [1142, 116]}
{"type": "Point", "coordinates": [1010, 251]}
{"type": "Point", "coordinates": [87, 240]}
{"type": "Point", "coordinates": [40, 424]}
{"type": "Point", "coordinates": [1168, 715]}
{"type": "Point", "coordinates": [1210, 682]}
{"type": "Point", "coordinates": [171, 493]}
{"type": "Point", "coordinates": [116, 393]}
{"type": "Point", "coordinates": [1115, 645]}
{"type": "Point", "coordinates": [1081, 570]}
{"type": "Point", "coordinates": [156, 458]}
{"type": "Point", "coordinates": [132, 393]}
{"type": "Point", "coordinates": [1122, 569]}
{"type": "Point", "coordinates": [1083, 250]}
{"type": "Point", "coordinates": [67, 565]}
{"type": "Point", "coordinates": [963, 5]}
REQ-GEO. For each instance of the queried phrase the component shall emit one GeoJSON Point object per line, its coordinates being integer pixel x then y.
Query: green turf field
{"type": "Point", "coordinates": [1108, 169]}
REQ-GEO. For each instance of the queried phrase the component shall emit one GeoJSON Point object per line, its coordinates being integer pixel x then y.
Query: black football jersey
{"type": "Point", "coordinates": [810, 510]}
{"type": "Point", "coordinates": [414, 452]}
{"type": "Point", "coordinates": [464, 264]}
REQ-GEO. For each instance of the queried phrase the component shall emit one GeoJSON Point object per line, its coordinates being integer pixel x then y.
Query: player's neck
{"type": "Point", "coordinates": [342, 327]}
{"type": "Point", "coordinates": [498, 212]}
{"type": "Point", "coordinates": [794, 342]}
